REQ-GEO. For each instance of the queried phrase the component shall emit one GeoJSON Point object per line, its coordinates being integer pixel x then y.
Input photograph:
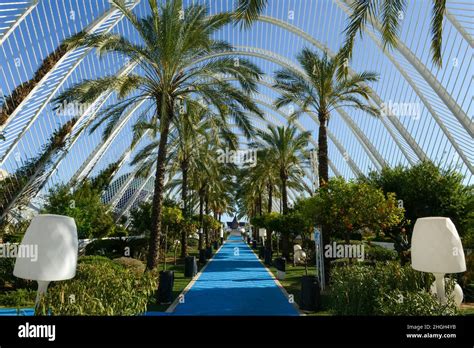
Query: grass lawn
{"type": "Point", "coordinates": [180, 282]}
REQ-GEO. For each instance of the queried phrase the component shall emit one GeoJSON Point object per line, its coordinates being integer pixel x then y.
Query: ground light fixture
{"type": "Point", "coordinates": [436, 248]}
{"type": "Point", "coordinates": [55, 237]}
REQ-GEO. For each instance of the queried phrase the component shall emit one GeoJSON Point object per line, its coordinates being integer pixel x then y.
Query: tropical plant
{"type": "Point", "coordinates": [388, 12]}
{"type": "Point", "coordinates": [174, 52]}
{"type": "Point", "coordinates": [319, 91]}
{"type": "Point", "coordinates": [100, 287]}
{"type": "Point", "coordinates": [286, 148]}
{"type": "Point", "coordinates": [199, 127]}
{"type": "Point", "coordinates": [102, 180]}
{"type": "Point", "coordinates": [12, 101]}
{"type": "Point", "coordinates": [361, 289]}
{"type": "Point", "coordinates": [14, 186]}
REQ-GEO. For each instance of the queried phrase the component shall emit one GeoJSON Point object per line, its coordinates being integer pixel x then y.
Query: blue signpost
{"type": "Point", "coordinates": [319, 256]}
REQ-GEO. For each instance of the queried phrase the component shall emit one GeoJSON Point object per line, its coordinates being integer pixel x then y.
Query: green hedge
{"type": "Point", "coordinates": [363, 290]}
{"type": "Point", "coordinates": [100, 287]}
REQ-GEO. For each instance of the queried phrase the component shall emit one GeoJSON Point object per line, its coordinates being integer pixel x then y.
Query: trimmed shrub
{"type": "Point", "coordinates": [8, 281]}
{"type": "Point", "coordinates": [133, 265]}
{"type": "Point", "coordinates": [357, 289]}
{"type": "Point", "coordinates": [100, 287]}
{"type": "Point", "coordinates": [379, 253]}
{"type": "Point", "coordinates": [18, 298]}
{"type": "Point", "coordinates": [420, 303]}
{"type": "Point", "coordinates": [118, 247]}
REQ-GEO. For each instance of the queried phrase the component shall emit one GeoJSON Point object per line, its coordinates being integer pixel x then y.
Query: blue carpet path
{"type": "Point", "coordinates": [235, 283]}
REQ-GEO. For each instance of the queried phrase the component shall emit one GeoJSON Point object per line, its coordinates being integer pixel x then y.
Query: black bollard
{"type": "Point", "coordinates": [268, 256]}
{"type": "Point", "coordinates": [190, 266]}
{"type": "Point", "coordinates": [165, 287]}
{"type": "Point", "coordinates": [208, 252]}
{"type": "Point", "coordinates": [310, 293]}
{"type": "Point", "coordinates": [202, 256]}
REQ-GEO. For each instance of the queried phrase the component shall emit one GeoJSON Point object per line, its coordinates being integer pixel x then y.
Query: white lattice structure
{"type": "Point", "coordinates": [443, 131]}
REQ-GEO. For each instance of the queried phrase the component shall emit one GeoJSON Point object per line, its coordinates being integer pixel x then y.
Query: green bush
{"type": "Point", "coordinates": [357, 289]}
{"type": "Point", "coordinates": [100, 287]}
{"type": "Point", "coordinates": [8, 281]}
{"type": "Point", "coordinates": [420, 303]}
{"type": "Point", "coordinates": [466, 279]}
{"type": "Point", "coordinates": [379, 253]}
{"type": "Point", "coordinates": [18, 298]}
{"type": "Point", "coordinates": [114, 248]}
{"type": "Point", "coordinates": [133, 265]}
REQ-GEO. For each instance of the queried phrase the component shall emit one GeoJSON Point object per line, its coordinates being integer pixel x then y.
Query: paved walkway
{"type": "Point", "coordinates": [235, 283]}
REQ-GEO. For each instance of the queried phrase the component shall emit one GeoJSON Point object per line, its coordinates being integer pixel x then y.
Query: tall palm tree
{"type": "Point", "coordinates": [199, 127]}
{"type": "Point", "coordinates": [320, 91]}
{"type": "Point", "coordinates": [387, 12]}
{"type": "Point", "coordinates": [172, 52]}
{"type": "Point", "coordinates": [287, 149]}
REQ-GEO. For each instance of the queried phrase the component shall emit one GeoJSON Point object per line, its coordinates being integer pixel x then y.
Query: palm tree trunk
{"type": "Point", "coordinates": [285, 243]}
{"type": "Point", "coordinates": [206, 229]}
{"type": "Point", "coordinates": [184, 198]}
{"type": "Point", "coordinates": [323, 168]}
{"type": "Point", "coordinates": [323, 150]}
{"type": "Point", "coordinates": [260, 203]}
{"type": "Point", "coordinates": [270, 197]}
{"type": "Point", "coordinates": [284, 194]}
{"type": "Point", "coordinates": [269, 239]}
{"type": "Point", "coordinates": [201, 218]}
{"type": "Point", "coordinates": [156, 216]}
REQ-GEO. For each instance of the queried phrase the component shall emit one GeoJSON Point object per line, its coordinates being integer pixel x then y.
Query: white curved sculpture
{"type": "Point", "coordinates": [457, 293]}
{"type": "Point", "coordinates": [55, 237]}
{"type": "Point", "coordinates": [299, 256]}
{"type": "Point", "coordinates": [436, 248]}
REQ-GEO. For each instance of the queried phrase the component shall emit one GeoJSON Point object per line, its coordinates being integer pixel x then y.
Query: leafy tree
{"type": "Point", "coordinates": [349, 206]}
{"type": "Point", "coordinates": [428, 190]}
{"type": "Point", "coordinates": [93, 218]}
{"type": "Point", "coordinates": [345, 207]}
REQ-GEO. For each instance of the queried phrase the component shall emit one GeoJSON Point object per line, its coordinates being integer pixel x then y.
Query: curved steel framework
{"type": "Point", "coordinates": [442, 94]}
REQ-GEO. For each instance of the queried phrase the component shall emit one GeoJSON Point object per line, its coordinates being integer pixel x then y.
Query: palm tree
{"type": "Point", "coordinates": [387, 12]}
{"type": "Point", "coordinates": [173, 55]}
{"type": "Point", "coordinates": [320, 91]}
{"type": "Point", "coordinates": [286, 149]}
{"type": "Point", "coordinates": [200, 126]}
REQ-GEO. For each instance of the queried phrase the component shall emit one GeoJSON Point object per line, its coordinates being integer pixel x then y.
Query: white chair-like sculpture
{"type": "Point", "coordinates": [436, 248]}
{"type": "Point", "coordinates": [299, 256]}
{"type": "Point", "coordinates": [55, 237]}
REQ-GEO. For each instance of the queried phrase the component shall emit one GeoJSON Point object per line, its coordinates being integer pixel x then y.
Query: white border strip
{"type": "Point", "coordinates": [282, 288]}
{"type": "Point", "coordinates": [183, 293]}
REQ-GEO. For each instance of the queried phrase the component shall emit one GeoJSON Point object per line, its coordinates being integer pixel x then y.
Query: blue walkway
{"type": "Point", "coordinates": [235, 283]}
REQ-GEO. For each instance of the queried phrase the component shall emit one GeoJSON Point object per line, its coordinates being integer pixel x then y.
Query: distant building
{"type": "Point", "coordinates": [235, 225]}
